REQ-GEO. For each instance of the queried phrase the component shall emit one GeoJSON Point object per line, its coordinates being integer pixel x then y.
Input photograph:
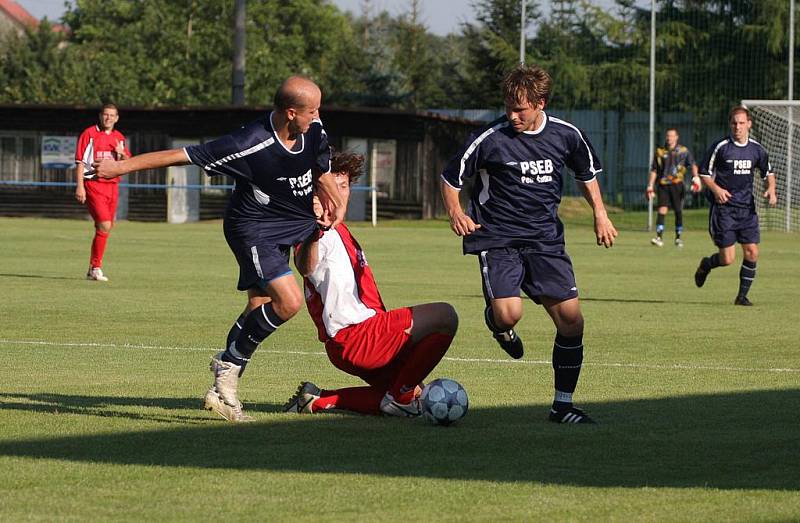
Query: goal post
{"type": "Point", "coordinates": [775, 126]}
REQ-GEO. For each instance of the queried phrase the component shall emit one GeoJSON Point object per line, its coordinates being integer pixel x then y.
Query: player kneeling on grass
{"type": "Point", "coordinates": [391, 350]}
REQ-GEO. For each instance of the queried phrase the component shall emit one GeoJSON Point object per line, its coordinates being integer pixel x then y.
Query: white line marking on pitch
{"type": "Point", "coordinates": [676, 366]}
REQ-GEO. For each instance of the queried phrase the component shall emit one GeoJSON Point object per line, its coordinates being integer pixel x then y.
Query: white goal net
{"type": "Point", "coordinates": [776, 126]}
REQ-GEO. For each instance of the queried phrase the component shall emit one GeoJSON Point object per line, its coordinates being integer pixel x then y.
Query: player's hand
{"type": "Point", "coordinates": [696, 185]}
{"type": "Point", "coordinates": [120, 149]}
{"type": "Point", "coordinates": [318, 210]}
{"type": "Point", "coordinates": [323, 217]}
{"type": "Point", "coordinates": [106, 168]}
{"type": "Point", "coordinates": [722, 196]}
{"type": "Point", "coordinates": [650, 192]}
{"type": "Point", "coordinates": [462, 225]}
{"type": "Point", "coordinates": [604, 231]}
{"type": "Point", "coordinates": [333, 213]}
{"type": "Point", "coordinates": [80, 194]}
{"type": "Point", "coordinates": [771, 197]}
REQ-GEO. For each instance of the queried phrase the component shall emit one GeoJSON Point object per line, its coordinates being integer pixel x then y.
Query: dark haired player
{"type": "Point", "coordinates": [512, 222]}
{"type": "Point", "coordinates": [97, 142]}
{"type": "Point", "coordinates": [669, 167]}
{"type": "Point", "coordinates": [727, 172]}
{"type": "Point", "coordinates": [391, 350]}
{"type": "Point", "coordinates": [276, 162]}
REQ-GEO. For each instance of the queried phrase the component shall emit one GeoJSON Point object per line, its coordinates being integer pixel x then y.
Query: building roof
{"type": "Point", "coordinates": [23, 18]}
{"type": "Point", "coordinates": [18, 14]}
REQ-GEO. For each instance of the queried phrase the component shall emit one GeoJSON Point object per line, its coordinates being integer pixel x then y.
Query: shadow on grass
{"type": "Point", "coordinates": [108, 406]}
{"type": "Point", "coordinates": [38, 276]}
{"type": "Point", "coordinates": [732, 441]}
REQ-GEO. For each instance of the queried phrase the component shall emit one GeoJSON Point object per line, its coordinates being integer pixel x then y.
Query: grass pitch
{"type": "Point", "coordinates": [101, 389]}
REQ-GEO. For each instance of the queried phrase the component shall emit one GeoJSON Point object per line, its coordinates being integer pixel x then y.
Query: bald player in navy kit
{"type": "Point", "coordinates": [727, 171]}
{"type": "Point", "coordinates": [512, 222]}
{"type": "Point", "coordinates": [277, 162]}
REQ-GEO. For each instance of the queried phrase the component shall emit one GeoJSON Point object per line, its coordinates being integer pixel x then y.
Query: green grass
{"type": "Point", "coordinates": [100, 390]}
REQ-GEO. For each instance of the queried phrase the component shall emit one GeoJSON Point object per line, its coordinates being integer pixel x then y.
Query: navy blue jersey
{"type": "Point", "coordinates": [273, 198]}
{"type": "Point", "coordinates": [519, 183]}
{"type": "Point", "coordinates": [733, 166]}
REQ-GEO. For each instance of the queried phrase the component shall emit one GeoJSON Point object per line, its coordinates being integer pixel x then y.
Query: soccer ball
{"type": "Point", "coordinates": [444, 401]}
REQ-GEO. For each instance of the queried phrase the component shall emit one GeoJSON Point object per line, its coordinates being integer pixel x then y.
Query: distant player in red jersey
{"type": "Point", "coordinates": [98, 142]}
{"type": "Point", "coordinates": [391, 350]}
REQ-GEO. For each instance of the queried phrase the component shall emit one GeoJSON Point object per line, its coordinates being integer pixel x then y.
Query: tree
{"type": "Point", "coordinates": [492, 49]}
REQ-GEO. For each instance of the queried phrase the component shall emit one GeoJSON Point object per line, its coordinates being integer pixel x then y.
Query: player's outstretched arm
{"type": "Point", "coordinates": [331, 201]}
{"type": "Point", "coordinates": [603, 228]}
{"type": "Point", "coordinates": [111, 169]}
{"type": "Point", "coordinates": [460, 223]}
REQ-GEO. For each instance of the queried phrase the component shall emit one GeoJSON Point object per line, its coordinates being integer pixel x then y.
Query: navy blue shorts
{"type": "Point", "coordinates": [728, 225]}
{"type": "Point", "coordinates": [259, 263]}
{"type": "Point", "coordinates": [506, 271]}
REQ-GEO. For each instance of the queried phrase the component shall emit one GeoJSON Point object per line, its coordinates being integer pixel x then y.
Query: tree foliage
{"type": "Point", "coordinates": [710, 54]}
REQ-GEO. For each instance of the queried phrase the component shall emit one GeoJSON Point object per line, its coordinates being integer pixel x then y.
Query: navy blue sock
{"type": "Point", "coordinates": [259, 323]}
{"type": "Point", "coordinates": [746, 276]}
{"type": "Point", "coordinates": [660, 225]}
{"type": "Point", "coordinates": [710, 262]}
{"type": "Point", "coordinates": [236, 328]}
{"type": "Point", "coordinates": [567, 360]}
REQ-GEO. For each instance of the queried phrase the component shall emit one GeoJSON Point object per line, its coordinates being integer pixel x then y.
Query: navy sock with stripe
{"type": "Point", "coordinates": [258, 325]}
{"type": "Point", "coordinates": [746, 276]}
{"type": "Point", "coordinates": [567, 361]}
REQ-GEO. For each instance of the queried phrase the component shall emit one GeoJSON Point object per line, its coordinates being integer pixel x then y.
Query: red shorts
{"type": "Point", "coordinates": [101, 200]}
{"type": "Point", "coordinates": [372, 349]}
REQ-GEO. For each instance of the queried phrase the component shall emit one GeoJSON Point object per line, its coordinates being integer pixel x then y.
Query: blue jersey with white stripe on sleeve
{"type": "Point", "coordinates": [519, 181]}
{"type": "Point", "coordinates": [273, 197]}
{"type": "Point", "coordinates": [733, 165]}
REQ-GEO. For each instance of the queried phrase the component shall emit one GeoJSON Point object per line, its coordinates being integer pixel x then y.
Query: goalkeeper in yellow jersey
{"type": "Point", "coordinates": [667, 173]}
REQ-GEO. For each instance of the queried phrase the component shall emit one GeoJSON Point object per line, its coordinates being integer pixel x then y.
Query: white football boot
{"type": "Point", "coordinates": [391, 407]}
{"type": "Point", "coordinates": [96, 274]}
{"type": "Point", "coordinates": [223, 397]}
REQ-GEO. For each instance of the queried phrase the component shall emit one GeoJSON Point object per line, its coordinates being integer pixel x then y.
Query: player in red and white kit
{"type": "Point", "coordinates": [391, 350]}
{"type": "Point", "coordinates": [98, 142]}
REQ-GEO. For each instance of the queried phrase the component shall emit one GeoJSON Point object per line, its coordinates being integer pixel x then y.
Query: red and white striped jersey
{"type": "Point", "coordinates": [342, 290]}
{"type": "Point", "coordinates": [95, 144]}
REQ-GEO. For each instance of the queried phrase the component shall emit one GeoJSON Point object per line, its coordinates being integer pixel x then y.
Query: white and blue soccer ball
{"type": "Point", "coordinates": [444, 401]}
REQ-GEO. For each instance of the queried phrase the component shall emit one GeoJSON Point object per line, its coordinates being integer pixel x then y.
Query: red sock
{"type": "Point", "coordinates": [98, 248]}
{"type": "Point", "coordinates": [364, 400]}
{"type": "Point", "coordinates": [422, 359]}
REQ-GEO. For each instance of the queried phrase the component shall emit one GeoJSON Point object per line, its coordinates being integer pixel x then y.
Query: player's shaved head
{"type": "Point", "coordinates": [296, 91]}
